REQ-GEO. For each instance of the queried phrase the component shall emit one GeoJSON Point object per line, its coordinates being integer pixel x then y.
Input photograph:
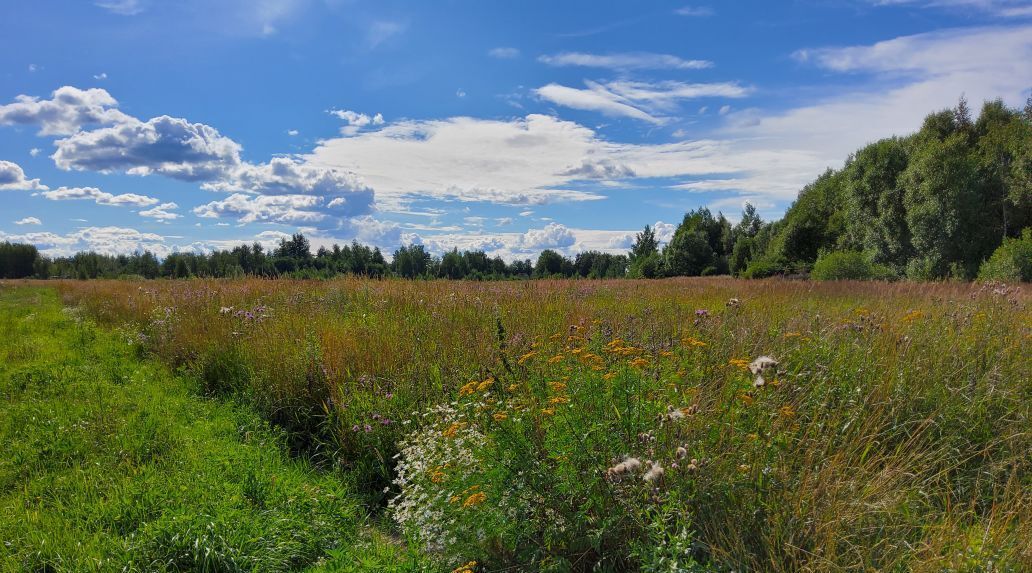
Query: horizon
{"type": "Point", "coordinates": [191, 127]}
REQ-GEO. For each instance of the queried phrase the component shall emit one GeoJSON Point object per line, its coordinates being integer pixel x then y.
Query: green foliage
{"type": "Point", "coordinates": [18, 261]}
{"type": "Point", "coordinates": [847, 265]}
{"type": "Point", "coordinates": [1011, 262]}
{"type": "Point", "coordinates": [114, 465]}
{"type": "Point", "coordinates": [700, 243]}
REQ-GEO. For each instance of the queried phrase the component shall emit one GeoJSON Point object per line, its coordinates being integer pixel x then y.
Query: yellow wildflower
{"type": "Point", "coordinates": [500, 416]}
{"type": "Point", "coordinates": [912, 316]}
{"type": "Point", "coordinates": [475, 499]}
{"type": "Point", "coordinates": [692, 341]}
{"type": "Point", "coordinates": [560, 400]}
{"type": "Point", "coordinates": [453, 429]}
{"type": "Point", "coordinates": [739, 362]}
{"type": "Point", "coordinates": [792, 334]}
{"type": "Point", "coordinates": [639, 362]}
{"type": "Point", "coordinates": [468, 389]}
{"type": "Point", "coordinates": [485, 384]}
{"type": "Point", "coordinates": [747, 399]}
{"type": "Point", "coordinates": [526, 357]}
{"type": "Point", "coordinates": [787, 411]}
{"type": "Point", "coordinates": [556, 358]}
{"type": "Point", "coordinates": [557, 386]}
{"type": "Point", "coordinates": [548, 411]}
{"type": "Point", "coordinates": [467, 568]}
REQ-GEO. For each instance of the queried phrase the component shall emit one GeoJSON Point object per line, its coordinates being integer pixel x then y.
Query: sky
{"type": "Point", "coordinates": [510, 127]}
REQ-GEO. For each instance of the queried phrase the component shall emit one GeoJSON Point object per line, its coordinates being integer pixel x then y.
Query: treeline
{"type": "Point", "coordinates": [294, 258]}
{"type": "Point", "coordinates": [953, 200]}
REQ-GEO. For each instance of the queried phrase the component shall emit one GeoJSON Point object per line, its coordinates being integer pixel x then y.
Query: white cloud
{"type": "Point", "coordinates": [998, 8]}
{"type": "Point", "coordinates": [68, 110]}
{"type": "Point", "coordinates": [12, 178]}
{"type": "Point", "coordinates": [381, 31]}
{"type": "Point", "coordinates": [724, 110]}
{"type": "Point", "coordinates": [35, 151]}
{"type": "Point", "coordinates": [624, 61]}
{"type": "Point", "coordinates": [99, 197]}
{"type": "Point", "coordinates": [105, 240]}
{"type": "Point", "coordinates": [552, 236]}
{"type": "Point", "coordinates": [460, 93]}
{"type": "Point", "coordinates": [165, 145]}
{"type": "Point", "coordinates": [292, 132]}
{"type": "Point", "coordinates": [100, 76]}
{"type": "Point", "coordinates": [289, 209]}
{"type": "Point", "coordinates": [638, 100]}
{"type": "Point", "coordinates": [694, 11]}
{"type": "Point", "coordinates": [28, 221]}
{"type": "Point", "coordinates": [504, 53]}
{"type": "Point", "coordinates": [121, 7]}
{"type": "Point", "coordinates": [161, 212]}
{"type": "Point", "coordinates": [355, 121]}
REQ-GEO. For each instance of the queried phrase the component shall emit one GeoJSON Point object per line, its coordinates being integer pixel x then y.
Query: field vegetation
{"type": "Point", "coordinates": [682, 425]}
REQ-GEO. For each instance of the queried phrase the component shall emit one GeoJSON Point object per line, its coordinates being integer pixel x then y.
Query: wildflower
{"type": "Point", "coordinates": [368, 428]}
{"type": "Point", "coordinates": [733, 303]}
{"type": "Point", "coordinates": [485, 384]}
{"type": "Point", "coordinates": [437, 476]}
{"type": "Point", "coordinates": [701, 313]}
{"type": "Point", "coordinates": [792, 334]}
{"type": "Point", "coordinates": [655, 473]}
{"type": "Point", "coordinates": [557, 386]}
{"type": "Point", "coordinates": [690, 410]}
{"type": "Point", "coordinates": [226, 310]}
{"type": "Point", "coordinates": [468, 389]}
{"type": "Point", "coordinates": [681, 452]}
{"type": "Point", "coordinates": [548, 411]}
{"type": "Point", "coordinates": [746, 398]}
{"type": "Point", "coordinates": [475, 499]}
{"type": "Point", "coordinates": [526, 357]}
{"type": "Point", "coordinates": [556, 358]}
{"type": "Point", "coordinates": [628, 465]}
{"type": "Point", "coordinates": [467, 568]}
{"type": "Point", "coordinates": [639, 362]}
{"type": "Point", "coordinates": [692, 341]}
{"type": "Point", "coordinates": [559, 400]}
{"type": "Point", "coordinates": [500, 416]}
{"type": "Point", "coordinates": [787, 412]}
{"type": "Point", "coordinates": [452, 430]}
{"type": "Point", "coordinates": [739, 362]}
{"type": "Point", "coordinates": [912, 316]}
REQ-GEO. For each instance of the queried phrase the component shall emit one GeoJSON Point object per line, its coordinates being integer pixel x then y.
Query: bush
{"type": "Point", "coordinates": [847, 265]}
{"type": "Point", "coordinates": [1012, 261]}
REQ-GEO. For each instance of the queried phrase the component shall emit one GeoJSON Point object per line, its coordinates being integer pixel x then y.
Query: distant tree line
{"type": "Point", "coordinates": [953, 200]}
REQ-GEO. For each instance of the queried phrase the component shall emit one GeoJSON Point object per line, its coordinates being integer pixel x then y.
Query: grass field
{"type": "Point", "coordinates": [545, 425]}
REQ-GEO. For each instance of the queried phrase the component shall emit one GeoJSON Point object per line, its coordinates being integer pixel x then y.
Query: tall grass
{"type": "Point", "coordinates": [894, 434]}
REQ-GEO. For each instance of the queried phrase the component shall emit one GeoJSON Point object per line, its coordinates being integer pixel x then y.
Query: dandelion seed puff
{"type": "Point", "coordinates": [654, 474]}
{"type": "Point", "coordinates": [759, 382]}
{"type": "Point", "coordinates": [681, 452]}
{"type": "Point", "coordinates": [761, 364]}
{"type": "Point", "coordinates": [632, 464]}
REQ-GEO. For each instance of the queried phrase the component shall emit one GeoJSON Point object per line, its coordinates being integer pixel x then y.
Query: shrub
{"type": "Point", "coordinates": [1012, 261]}
{"type": "Point", "coordinates": [847, 265]}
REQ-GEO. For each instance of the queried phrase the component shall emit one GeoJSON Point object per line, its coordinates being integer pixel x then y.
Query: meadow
{"type": "Point", "coordinates": [705, 424]}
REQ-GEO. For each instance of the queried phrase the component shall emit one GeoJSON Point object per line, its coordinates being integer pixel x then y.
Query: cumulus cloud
{"type": "Point", "coordinates": [164, 145]}
{"type": "Point", "coordinates": [289, 209]}
{"type": "Point", "coordinates": [504, 53]}
{"type": "Point", "coordinates": [105, 240]}
{"type": "Point", "coordinates": [67, 111]}
{"type": "Point", "coordinates": [599, 169]}
{"type": "Point", "coordinates": [12, 178]}
{"type": "Point", "coordinates": [99, 197]}
{"type": "Point", "coordinates": [552, 236]}
{"type": "Point", "coordinates": [28, 221]}
{"type": "Point", "coordinates": [624, 61]}
{"type": "Point", "coordinates": [355, 121]}
{"type": "Point", "coordinates": [161, 212]}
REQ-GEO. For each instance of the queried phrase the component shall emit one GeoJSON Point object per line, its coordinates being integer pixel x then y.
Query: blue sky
{"type": "Point", "coordinates": [504, 126]}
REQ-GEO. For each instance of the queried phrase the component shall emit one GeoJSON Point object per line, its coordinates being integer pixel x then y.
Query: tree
{"type": "Point", "coordinates": [549, 263]}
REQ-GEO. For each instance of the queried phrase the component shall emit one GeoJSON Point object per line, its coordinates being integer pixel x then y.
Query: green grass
{"type": "Point", "coordinates": [112, 463]}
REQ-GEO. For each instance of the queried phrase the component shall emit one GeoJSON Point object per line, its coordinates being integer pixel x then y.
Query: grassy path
{"type": "Point", "coordinates": [112, 463]}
